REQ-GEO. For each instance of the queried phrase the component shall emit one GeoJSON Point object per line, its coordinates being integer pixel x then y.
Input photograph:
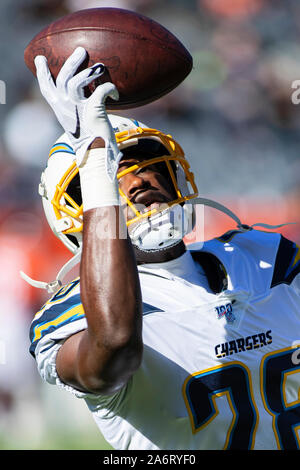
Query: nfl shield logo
{"type": "Point", "coordinates": [225, 310]}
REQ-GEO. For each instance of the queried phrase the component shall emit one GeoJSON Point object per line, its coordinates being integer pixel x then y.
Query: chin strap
{"type": "Point", "coordinates": [225, 210]}
{"type": "Point", "coordinates": [53, 286]}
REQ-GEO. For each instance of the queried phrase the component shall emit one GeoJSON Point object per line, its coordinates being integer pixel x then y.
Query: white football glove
{"type": "Point", "coordinates": [83, 119]}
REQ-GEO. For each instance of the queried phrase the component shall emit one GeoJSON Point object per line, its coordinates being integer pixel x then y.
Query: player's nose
{"type": "Point", "coordinates": [132, 183]}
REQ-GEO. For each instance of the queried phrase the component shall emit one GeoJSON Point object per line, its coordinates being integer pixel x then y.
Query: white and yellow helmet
{"type": "Point", "coordinates": [61, 196]}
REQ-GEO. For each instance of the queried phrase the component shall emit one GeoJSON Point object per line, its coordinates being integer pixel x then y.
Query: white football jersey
{"type": "Point", "coordinates": [221, 362]}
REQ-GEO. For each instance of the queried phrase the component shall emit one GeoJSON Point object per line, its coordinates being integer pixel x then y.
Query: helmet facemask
{"type": "Point", "coordinates": [153, 148]}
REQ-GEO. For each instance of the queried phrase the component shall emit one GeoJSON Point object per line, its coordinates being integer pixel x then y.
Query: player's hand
{"type": "Point", "coordinates": [94, 121]}
{"type": "Point", "coordinates": [83, 119]}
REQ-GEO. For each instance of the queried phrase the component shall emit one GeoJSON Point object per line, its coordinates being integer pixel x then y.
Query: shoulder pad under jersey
{"type": "Point", "coordinates": [62, 316]}
{"type": "Point", "coordinates": [63, 309]}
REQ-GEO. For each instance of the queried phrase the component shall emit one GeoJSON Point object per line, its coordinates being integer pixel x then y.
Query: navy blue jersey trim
{"type": "Point", "coordinates": [287, 263]}
{"type": "Point", "coordinates": [70, 310]}
{"type": "Point", "coordinates": [147, 308]}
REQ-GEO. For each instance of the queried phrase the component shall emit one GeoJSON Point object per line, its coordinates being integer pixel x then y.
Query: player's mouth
{"type": "Point", "coordinates": [148, 200]}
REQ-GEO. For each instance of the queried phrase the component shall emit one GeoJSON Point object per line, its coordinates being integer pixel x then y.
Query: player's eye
{"type": "Point", "coordinates": [145, 169]}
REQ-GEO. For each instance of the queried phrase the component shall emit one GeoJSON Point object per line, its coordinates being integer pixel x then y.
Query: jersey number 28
{"type": "Point", "coordinates": [234, 380]}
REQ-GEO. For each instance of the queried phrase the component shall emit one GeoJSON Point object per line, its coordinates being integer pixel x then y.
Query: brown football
{"type": "Point", "coordinates": [142, 58]}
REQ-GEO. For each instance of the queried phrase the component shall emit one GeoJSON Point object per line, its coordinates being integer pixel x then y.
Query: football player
{"type": "Point", "coordinates": [171, 346]}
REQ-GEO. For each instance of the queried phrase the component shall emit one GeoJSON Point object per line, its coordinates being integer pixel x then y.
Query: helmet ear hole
{"type": "Point", "coordinates": [73, 240]}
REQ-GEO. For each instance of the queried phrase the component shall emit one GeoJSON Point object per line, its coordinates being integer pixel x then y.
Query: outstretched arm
{"type": "Point", "coordinates": [102, 358]}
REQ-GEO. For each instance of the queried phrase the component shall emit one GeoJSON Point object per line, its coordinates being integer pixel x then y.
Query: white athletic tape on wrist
{"type": "Point", "coordinates": [96, 188]}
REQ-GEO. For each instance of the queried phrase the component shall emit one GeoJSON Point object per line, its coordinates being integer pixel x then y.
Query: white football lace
{"type": "Point", "coordinates": [55, 285]}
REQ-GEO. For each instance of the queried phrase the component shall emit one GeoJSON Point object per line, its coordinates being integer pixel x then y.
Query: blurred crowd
{"type": "Point", "coordinates": [233, 116]}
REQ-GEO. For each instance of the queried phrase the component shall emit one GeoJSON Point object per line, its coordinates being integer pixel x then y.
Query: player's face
{"type": "Point", "coordinates": [147, 188]}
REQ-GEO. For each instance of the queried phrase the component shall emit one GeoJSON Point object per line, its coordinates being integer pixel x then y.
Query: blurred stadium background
{"type": "Point", "coordinates": [234, 118]}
